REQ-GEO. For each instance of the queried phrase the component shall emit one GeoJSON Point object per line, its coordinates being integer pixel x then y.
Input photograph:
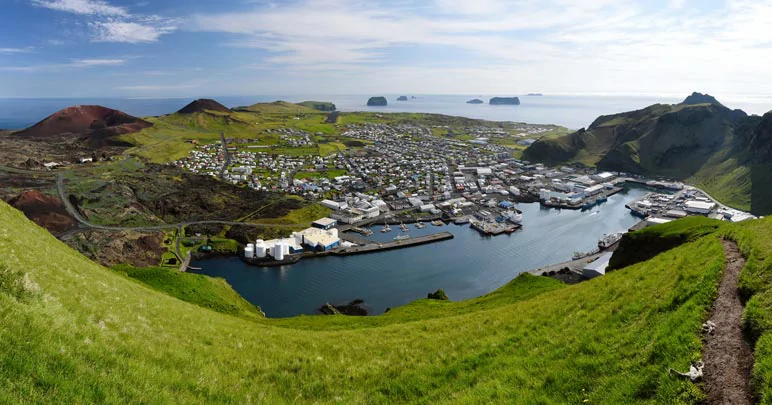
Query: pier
{"type": "Point", "coordinates": [397, 244]}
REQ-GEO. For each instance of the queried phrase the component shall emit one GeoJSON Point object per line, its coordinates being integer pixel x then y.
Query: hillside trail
{"type": "Point", "coordinates": [728, 356]}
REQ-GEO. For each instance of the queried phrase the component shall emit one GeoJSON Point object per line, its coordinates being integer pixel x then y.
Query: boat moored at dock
{"type": "Point", "coordinates": [608, 240]}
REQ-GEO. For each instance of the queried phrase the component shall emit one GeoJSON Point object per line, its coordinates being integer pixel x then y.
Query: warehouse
{"type": "Point", "coordinates": [324, 223]}
{"type": "Point", "coordinates": [598, 267]}
{"type": "Point", "coordinates": [316, 239]}
{"type": "Point", "coordinates": [699, 207]}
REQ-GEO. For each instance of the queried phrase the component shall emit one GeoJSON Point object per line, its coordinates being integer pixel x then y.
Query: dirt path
{"type": "Point", "coordinates": [728, 357]}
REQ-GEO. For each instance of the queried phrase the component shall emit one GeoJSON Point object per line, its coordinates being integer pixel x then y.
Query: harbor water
{"type": "Point", "coordinates": [467, 266]}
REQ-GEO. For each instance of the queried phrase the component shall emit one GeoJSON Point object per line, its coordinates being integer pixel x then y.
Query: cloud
{"type": "Point", "coordinates": [157, 88]}
{"type": "Point", "coordinates": [128, 32]}
{"type": "Point", "coordinates": [109, 23]}
{"type": "Point", "coordinates": [73, 64]}
{"type": "Point", "coordinates": [85, 7]}
{"type": "Point", "coordinates": [17, 50]}
{"type": "Point", "coordinates": [555, 45]}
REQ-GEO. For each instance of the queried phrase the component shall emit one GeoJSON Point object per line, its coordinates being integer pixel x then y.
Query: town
{"type": "Point", "coordinates": [413, 174]}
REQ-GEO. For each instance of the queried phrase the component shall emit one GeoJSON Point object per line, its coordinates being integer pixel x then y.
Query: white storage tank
{"type": "Point", "coordinates": [260, 249]}
{"type": "Point", "coordinates": [285, 248]}
{"type": "Point", "coordinates": [278, 251]}
{"type": "Point", "coordinates": [249, 251]}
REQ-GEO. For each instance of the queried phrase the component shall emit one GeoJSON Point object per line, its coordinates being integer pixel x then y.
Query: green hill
{"type": "Point", "coordinates": [75, 332]}
{"type": "Point", "coordinates": [319, 105]}
{"type": "Point", "coordinates": [699, 141]}
{"type": "Point", "coordinates": [277, 107]}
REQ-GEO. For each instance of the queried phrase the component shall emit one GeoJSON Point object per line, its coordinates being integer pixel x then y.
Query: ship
{"type": "Point", "coordinates": [437, 223]}
{"type": "Point", "coordinates": [515, 217]}
{"type": "Point", "coordinates": [588, 203]}
{"type": "Point", "coordinates": [638, 212]}
{"type": "Point", "coordinates": [461, 221]}
{"type": "Point", "coordinates": [401, 237]}
{"type": "Point", "coordinates": [420, 225]}
{"type": "Point", "coordinates": [404, 227]}
{"type": "Point", "coordinates": [480, 227]}
{"type": "Point", "coordinates": [386, 228]}
{"type": "Point", "coordinates": [609, 240]}
{"type": "Point", "coordinates": [602, 199]}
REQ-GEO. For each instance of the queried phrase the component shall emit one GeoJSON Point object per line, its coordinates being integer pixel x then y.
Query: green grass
{"type": "Point", "coordinates": [301, 216]}
{"type": "Point", "coordinates": [328, 174]}
{"type": "Point", "coordinates": [207, 292]}
{"type": "Point", "coordinates": [75, 332]}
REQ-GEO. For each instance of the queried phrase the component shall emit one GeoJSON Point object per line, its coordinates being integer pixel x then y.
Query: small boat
{"type": "Point", "coordinates": [588, 203]}
{"type": "Point", "coordinates": [420, 225]}
{"type": "Point", "coordinates": [461, 221]}
{"type": "Point", "coordinates": [404, 227]}
{"type": "Point", "coordinates": [437, 223]}
{"type": "Point", "coordinates": [602, 199]}
{"type": "Point", "coordinates": [386, 228]}
{"type": "Point", "coordinates": [401, 237]}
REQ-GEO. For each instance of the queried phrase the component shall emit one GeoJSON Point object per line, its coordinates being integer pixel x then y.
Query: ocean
{"type": "Point", "coordinates": [570, 111]}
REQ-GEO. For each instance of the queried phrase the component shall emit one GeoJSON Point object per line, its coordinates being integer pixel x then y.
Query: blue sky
{"type": "Point", "coordinates": [152, 48]}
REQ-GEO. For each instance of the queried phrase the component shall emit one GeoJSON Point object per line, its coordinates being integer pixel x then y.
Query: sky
{"type": "Point", "coordinates": [170, 48]}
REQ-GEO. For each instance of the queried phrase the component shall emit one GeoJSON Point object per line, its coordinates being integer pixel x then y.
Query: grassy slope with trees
{"type": "Point", "coordinates": [76, 332]}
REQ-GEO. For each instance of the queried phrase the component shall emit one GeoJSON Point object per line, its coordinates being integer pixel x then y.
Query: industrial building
{"type": "Point", "coordinates": [346, 216]}
{"type": "Point", "coordinates": [593, 190]}
{"type": "Point", "coordinates": [699, 207]}
{"type": "Point", "coordinates": [321, 237]}
{"type": "Point", "coordinates": [318, 240]}
{"type": "Point", "coordinates": [603, 177]}
{"type": "Point", "coordinates": [324, 223]}
{"type": "Point", "coordinates": [598, 267]}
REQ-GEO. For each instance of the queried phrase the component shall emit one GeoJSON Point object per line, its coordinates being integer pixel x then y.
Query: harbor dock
{"type": "Point", "coordinates": [397, 244]}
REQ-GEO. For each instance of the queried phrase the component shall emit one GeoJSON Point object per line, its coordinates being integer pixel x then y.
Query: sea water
{"type": "Point", "coordinates": [467, 266]}
{"type": "Point", "coordinates": [570, 111]}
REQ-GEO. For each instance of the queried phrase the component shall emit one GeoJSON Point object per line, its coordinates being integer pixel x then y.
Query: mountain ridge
{"type": "Point", "coordinates": [700, 141]}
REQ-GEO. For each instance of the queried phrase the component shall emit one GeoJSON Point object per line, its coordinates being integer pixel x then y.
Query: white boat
{"type": "Point", "coordinates": [386, 228]}
{"type": "Point", "coordinates": [610, 239]}
{"type": "Point", "coordinates": [420, 225]}
{"type": "Point", "coordinates": [515, 217]}
{"type": "Point", "coordinates": [401, 237]}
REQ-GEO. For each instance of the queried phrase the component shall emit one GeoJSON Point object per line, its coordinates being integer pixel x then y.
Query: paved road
{"type": "Point", "coordinates": [226, 156]}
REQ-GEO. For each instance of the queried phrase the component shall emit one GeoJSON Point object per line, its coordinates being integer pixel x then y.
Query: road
{"type": "Point", "coordinates": [226, 156]}
{"type": "Point", "coordinates": [78, 217]}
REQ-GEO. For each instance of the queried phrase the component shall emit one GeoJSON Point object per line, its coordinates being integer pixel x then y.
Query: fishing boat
{"type": "Point", "coordinates": [638, 212]}
{"type": "Point", "coordinates": [515, 217]}
{"type": "Point", "coordinates": [480, 227]}
{"type": "Point", "coordinates": [386, 228]}
{"type": "Point", "coordinates": [608, 240]}
{"type": "Point", "coordinates": [362, 231]}
{"type": "Point", "coordinates": [588, 203]}
{"type": "Point", "coordinates": [461, 221]}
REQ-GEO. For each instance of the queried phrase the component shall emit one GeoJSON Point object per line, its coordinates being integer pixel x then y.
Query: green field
{"type": "Point", "coordinates": [75, 332]}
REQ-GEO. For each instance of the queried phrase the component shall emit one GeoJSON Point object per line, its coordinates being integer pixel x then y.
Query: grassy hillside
{"type": "Point", "coordinates": [76, 332]}
{"type": "Point", "coordinates": [207, 292]}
